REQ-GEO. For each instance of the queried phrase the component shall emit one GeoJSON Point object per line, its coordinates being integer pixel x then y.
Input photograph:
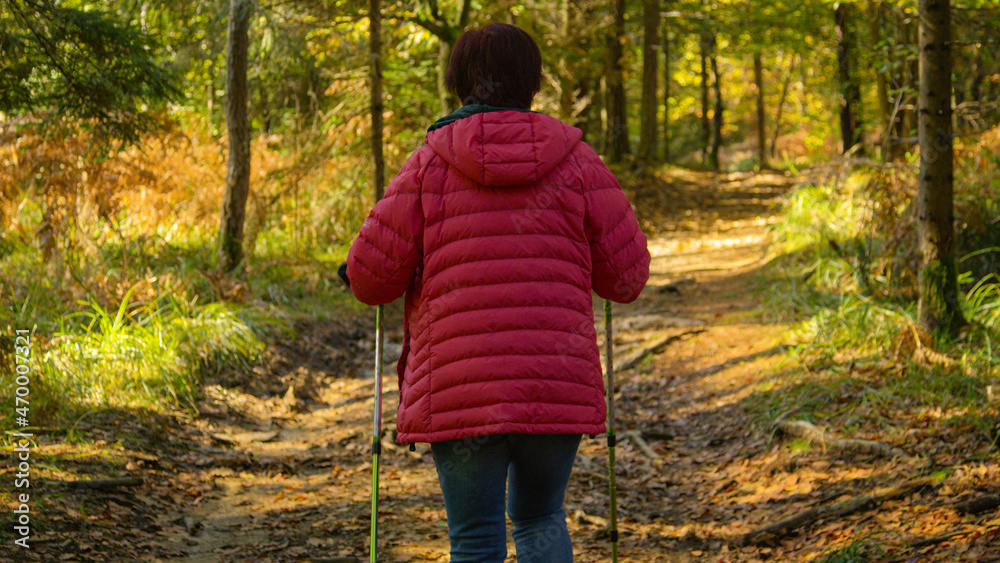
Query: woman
{"type": "Point", "coordinates": [496, 230]}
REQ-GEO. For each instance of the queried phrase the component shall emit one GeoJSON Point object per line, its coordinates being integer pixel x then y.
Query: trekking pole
{"type": "Point", "coordinates": [376, 430]}
{"type": "Point", "coordinates": [612, 486]}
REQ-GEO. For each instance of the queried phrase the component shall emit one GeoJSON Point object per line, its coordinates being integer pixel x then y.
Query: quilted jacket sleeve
{"type": "Point", "coordinates": [617, 244]}
{"type": "Point", "coordinates": [387, 252]}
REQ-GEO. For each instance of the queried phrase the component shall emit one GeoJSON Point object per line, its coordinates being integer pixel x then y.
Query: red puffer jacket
{"type": "Point", "coordinates": [496, 230]}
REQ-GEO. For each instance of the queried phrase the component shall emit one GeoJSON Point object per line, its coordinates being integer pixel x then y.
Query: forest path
{"type": "Point", "coordinates": [290, 481]}
{"type": "Point", "coordinates": [679, 409]}
{"type": "Point", "coordinates": [277, 465]}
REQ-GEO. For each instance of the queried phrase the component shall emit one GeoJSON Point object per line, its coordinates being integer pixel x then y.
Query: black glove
{"type": "Point", "coordinates": [342, 272]}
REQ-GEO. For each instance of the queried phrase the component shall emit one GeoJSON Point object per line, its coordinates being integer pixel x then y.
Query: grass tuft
{"type": "Point", "coordinates": [860, 550]}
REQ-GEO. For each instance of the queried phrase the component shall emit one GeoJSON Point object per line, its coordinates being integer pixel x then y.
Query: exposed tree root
{"type": "Point", "coordinates": [835, 510]}
{"type": "Point", "coordinates": [978, 504]}
{"type": "Point", "coordinates": [838, 446]}
{"type": "Point", "coordinates": [656, 347]}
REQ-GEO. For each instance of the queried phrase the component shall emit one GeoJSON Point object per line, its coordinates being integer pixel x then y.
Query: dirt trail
{"type": "Point", "coordinates": [293, 485]}
{"type": "Point", "coordinates": [277, 466]}
{"type": "Point", "coordinates": [684, 400]}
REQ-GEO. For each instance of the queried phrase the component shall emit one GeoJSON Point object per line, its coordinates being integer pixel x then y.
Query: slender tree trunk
{"type": "Point", "coordinates": [913, 75]}
{"type": "Point", "coordinates": [567, 82]}
{"type": "Point", "coordinates": [667, 76]}
{"type": "Point", "coordinates": [938, 306]}
{"type": "Point", "coordinates": [850, 92]}
{"type": "Point", "coordinates": [758, 79]}
{"type": "Point", "coordinates": [717, 113]}
{"type": "Point", "coordinates": [601, 119]}
{"type": "Point", "coordinates": [898, 94]}
{"type": "Point", "coordinates": [617, 130]}
{"type": "Point", "coordinates": [976, 81]}
{"type": "Point", "coordinates": [876, 17]}
{"type": "Point", "coordinates": [649, 110]}
{"type": "Point", "coordinates": [446, 33]}
{"type": "Point", "coordinates": [585, 119]}
{"type": "Point", "coordinates": [785, 87]}
{"type": "Point", "coordinates": [238, 170]}
{"type": "Point", "coordinates": [575, 81]}
{"type": "Point", "coordinates": [445, 98]}
{"type": "Point", "coordinates": [211, 90]}
{"type": "Point", "coordinates": [706, 131]}
{"type": "Point", "coordinates": [375, 60]}
{"type": "Point", "coordinates": [993, 90]}
{"type": "Point", "coordinates": [906, 80]}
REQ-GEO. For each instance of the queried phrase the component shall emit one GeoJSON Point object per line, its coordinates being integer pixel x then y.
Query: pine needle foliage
{"type": "Point", "coordinates": [83, 63]}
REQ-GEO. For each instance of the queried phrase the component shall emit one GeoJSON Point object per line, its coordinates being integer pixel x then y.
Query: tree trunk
{"type": "Point", "coordinates": [758, 79]}
{"type": "Point", "coordinates": [906, 121]}
{"type": "Point", "coordinates": [975, 86]}
{"type": "Point", "coordinates": [938, 306]}
{"type": "Point", "coordinates": [567, 78]}
{"type": "Point", "coordinates": [446, 33]}
{"type": "Point", "coordinates": [210, 109]}
{"type": "Point", "coordinates": [238, 170]}
{"type": "Point", "coordinates": [706, 131]}
{"type": "Point", "coordinates": [649, 110]}
{"type": "Point", "coordinates": [785, 86]}
{"type": "Point", "coordinates": [666, 93]}
{"type": "Point", "coordinates": [876, 17]}
{"type": "Point", "coordinates": [850, 92]}
{"type": "Point", "coordinates": [445, 98]}
{"type": "Point", "coordinates": [898, 97]}
{"type": "Point", "coordinates": [713, 156]}
{"type": "Point", "coordinates": [617, 131]}
{"type": "Point", "coordinates": [910, 117]}
{"type": "Point", "coordinates": [587, 119]}
{"type": "Point", "coordinates": [375, 60]}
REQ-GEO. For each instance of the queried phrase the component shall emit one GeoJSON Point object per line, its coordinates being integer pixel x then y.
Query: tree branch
{"type": "Point", "coordinates": [439, 30]}
{"type": "Point", "coordinates": [463, 18]}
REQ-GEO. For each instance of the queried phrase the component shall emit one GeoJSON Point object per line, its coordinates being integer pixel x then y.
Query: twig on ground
{"type": "Point", "coordinates": [656, 347]}
{"type": "Point", "coordinates": [582, 517]}
{"type": "Point", "coordinates": [835, 510]}
{"type": "Point", "coordinates": [938, 539]}
{"type": "Point", "coordinates": [636, 437]}
{"type": "Point", "coordinates": [105, 483]}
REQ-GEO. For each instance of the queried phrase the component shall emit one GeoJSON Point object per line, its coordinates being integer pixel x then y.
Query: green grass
{"type": "Point", "coordinates": [982, 303]}
{"type": "Point", "coordinates": [140, 323]}
{"type": "Point", "coordinates": [860, 550]}
{"type": "Point", "coordinates": [849, 315]}
{"type": "Point", "coordinates": [140, 355]}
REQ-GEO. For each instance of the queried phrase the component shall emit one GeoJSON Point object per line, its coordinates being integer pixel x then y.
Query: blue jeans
{"type": "Point", "coordinates": [474, 472]}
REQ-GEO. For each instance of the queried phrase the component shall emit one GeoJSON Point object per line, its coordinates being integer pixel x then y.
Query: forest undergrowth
{"type": "Point", "coordinates": [843, 271]}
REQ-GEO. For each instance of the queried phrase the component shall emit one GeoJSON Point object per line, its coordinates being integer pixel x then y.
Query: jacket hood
{"type": "Point", "coordinates": [502, 147]}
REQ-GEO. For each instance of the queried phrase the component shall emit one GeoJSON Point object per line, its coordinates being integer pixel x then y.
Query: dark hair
{"type": "Point", "coordinates": [497, 65]}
